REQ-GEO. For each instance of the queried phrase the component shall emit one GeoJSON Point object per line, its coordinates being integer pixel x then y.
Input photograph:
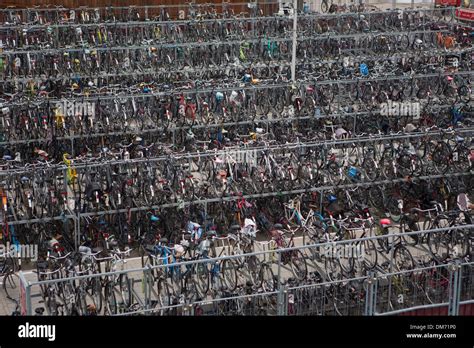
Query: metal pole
{"type": "Point", "coordinates": [370, 294]}
{"type": "Point", "coordinates": [293, 57]}
{"type": "Point", "coordinates": [146, 289]}
{"type": "Point", "coordinates": [77, 231]}
{"type": "Point", "coordinates": [281, 294]}
{"type": "Point", "coordinates": [66, 221]}
{"type": "Point", "coordinates": [27, 286]}
{"type": "Point", "coordinates": [454, 289]}
{"type": "Point", "coordinates": [390, 240]}
{"type": "Point", "coordinates": [28, 298]}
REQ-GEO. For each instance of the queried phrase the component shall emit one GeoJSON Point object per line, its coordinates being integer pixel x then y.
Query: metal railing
{"type": "Point", "coordinates": [380, 291]}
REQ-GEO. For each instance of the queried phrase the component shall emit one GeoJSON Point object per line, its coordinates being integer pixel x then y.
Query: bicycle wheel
{"type": "Point", "coordinates": [298, 265]}
{"type": "Point", "coordinates": [95, 290]}
{"type": "Point", "coordinates": [370, 255]}
{"type": "Point", "coordinates": [110, 299]}
{"type": "Point", "coordinates": [11, 285]}
{"type": "Point", "coordinates": [201, 279]}
{"type": "Point", "coordinates": [125, 289]}
{"type": "Point", "coordinates": [251, 272]}
{"type": "Point", "coordinates": [408, 225]}
{"type": "Point", "coordinates": [346, 262]}
{"type": "Point", "coordinates": [370, 171]}
{"type": "Point", "coordinates": [267, 278]}
{"type": "Point", "coordinates": [403, 260]}
{"type": "Point", "coordinates": [440, 158]}
{"type": "Point", "coordinates": [333, 270]}
{"type": "Point", "coordinates": [229, 274]}
{"type": "Point", "coordinates": [438, 242]}
{"type": "Point", "coordinates": [163, 291]}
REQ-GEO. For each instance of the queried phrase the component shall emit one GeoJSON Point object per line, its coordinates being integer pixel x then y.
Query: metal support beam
{"type": "Point", "coordinates": [454, 288]}
{"type": "Point", "coordinates": [196, 155]}
{"type": "Point", "coordinates": [371, 294]}
{"type": "Point", "coordinates": [294, 43]}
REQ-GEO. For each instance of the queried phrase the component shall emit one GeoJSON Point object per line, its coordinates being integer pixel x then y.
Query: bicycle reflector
{"type": "Point", "coordinates": [364, 69]}
{"type": "Point", "coordinates": [352, 172]}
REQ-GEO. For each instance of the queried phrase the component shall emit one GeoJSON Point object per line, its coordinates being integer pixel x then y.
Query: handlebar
{"type": "Point", "coordinates": [47, 273]}
{"type": "Point", "coordinates": [119, 252]}
{"type": "Point", "coordinates": [60, 257]}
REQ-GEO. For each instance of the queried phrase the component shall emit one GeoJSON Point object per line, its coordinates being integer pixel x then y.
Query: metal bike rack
{"type": "Point", "coordinates": [211, 153]}
{"type": "Point", "coordinates": [216, 125]}
{"type": "Point", "coordinates": [282, 292]}
{"type": "Point", "coordinates": [329, 16]}
{"type": "Point", "coordinates": [304, 83]}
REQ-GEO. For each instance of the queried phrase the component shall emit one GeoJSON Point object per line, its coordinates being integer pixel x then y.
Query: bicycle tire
{"type": "Point", "coordinates": [229, 274]}
{"type": "Point", "coordinates": [201, 279]}
{"type": "Point", "coordinates": [267, 278]}
{"type": "Point", "coordinates": [11, 286]}
{"type": "Point", "coordinates": [125, 289]}
{"type": "Point", "coordinates": [110, 299]}
{"type": "Point", "coordinates": [298, 265]}
{"type": "Point", "coordinates": [403, 259]}
{"type": "Point", "coordinates": [163, 292]}
{"type": "Point", "coordinates": [370, 249]}
{"type": "Point", "coordinates": [95, 290]}
{"type": "Point", "coordinates": [437, 243]}
{"type": "Point", "coordinates": [331, 267]}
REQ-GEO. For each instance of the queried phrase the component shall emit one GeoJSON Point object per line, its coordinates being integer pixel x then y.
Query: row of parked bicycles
{"type": "Point", "coordinates": [140, 33]}
{"type": "Point", "coordinates": [193, 269]}
{"type": "Point", "coordinates": [35, 193]}
{"type": "Point", "coordinates": [169, 166]}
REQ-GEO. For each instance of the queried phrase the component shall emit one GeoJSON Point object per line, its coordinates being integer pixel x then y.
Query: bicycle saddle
{"type": "Point", "coordinates": [235, 227]}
